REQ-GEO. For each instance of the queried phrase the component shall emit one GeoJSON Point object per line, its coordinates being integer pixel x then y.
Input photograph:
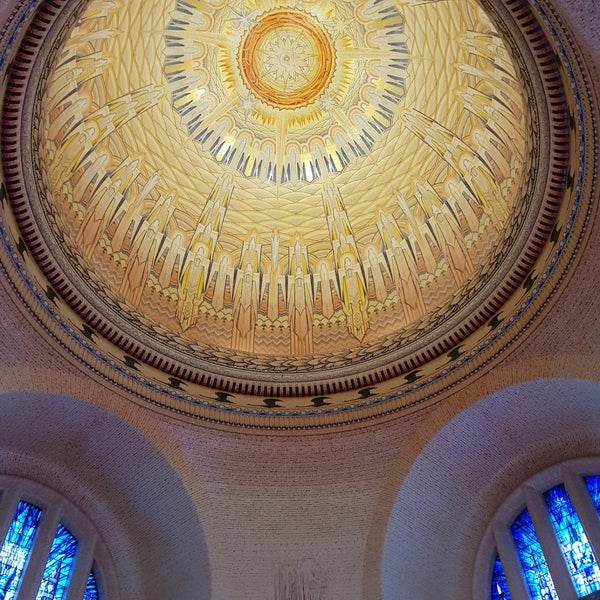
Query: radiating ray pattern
{"type": "Point", "coordinates": [166, 165]}
{"type": "Point", "coordinates": [287, 80]}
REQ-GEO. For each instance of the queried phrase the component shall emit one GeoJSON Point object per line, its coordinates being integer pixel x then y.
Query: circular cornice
{"type": "Point", "coordinates": [268, 264]}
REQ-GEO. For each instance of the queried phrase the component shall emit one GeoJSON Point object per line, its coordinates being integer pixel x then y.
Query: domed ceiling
{"type": "Point", "coordinates": [284, 208]}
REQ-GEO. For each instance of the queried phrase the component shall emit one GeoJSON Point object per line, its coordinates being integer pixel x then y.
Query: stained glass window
{"type": "Point", "coordinates": [578, 554]}
{"type": "Point", "coordinates": [593, 486]}
{"type": "Point", "coordinates": [59, 565]}
{"type": "Point", "coordinates": [16, 548]}
{"type": "Point", "coordinates": [499, 585]}
{"type": "Point", "coordinates": [91, 588]}
{"type": "Point", "coordinates": [535, 568]}
{"type": "Point", "coordinates": [572, 540]}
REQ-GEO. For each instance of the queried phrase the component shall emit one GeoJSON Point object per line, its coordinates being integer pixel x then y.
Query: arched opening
{"type": "Point", "coordinates": [546, 537]}
{"type": "Point", "coordinates": [465, 473]}
{"type": "Point", "coordinates": [120, 481]}
{"type": "Point", "coordinates": [49, 550]}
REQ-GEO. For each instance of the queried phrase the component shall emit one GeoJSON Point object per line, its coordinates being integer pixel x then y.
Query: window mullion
{"type": "Point", "coordinates": [507, 552]}
{"type": "Point", "coordinates": [39, 555]}
{"type": "Point", "coordinates": [585, 508]}
{"type": "Point", "coordinates": [82, 568]}
{"type": "Point", "coordinates": [9, 501]}
{"type": "Point", "coordinates": [554, 557]}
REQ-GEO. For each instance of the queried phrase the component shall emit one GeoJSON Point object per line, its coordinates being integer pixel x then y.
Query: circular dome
{"type": "Point", "coordinates": [283, 208]}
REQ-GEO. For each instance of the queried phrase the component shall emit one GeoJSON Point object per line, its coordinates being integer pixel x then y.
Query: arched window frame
{"type": "Point", "coordinates": [92, 554]}
{"type": "Point", "coordinates": [498, 539]}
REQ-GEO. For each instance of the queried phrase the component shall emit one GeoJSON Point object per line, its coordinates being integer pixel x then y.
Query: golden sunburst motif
{"type": "Point", "coordinates": [287, 59]}
{"type": "Point", "coordinates": [287, 73]}
{"type": "Point", "coordinates": [273, 188]}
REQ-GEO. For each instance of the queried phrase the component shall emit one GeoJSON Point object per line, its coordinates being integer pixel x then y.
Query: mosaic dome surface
{"type": "Point", "coordinates": [280, 204]}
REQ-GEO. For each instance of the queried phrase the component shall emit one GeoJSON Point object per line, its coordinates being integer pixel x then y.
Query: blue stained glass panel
{"type": "Point", "coordinates": [593, 486]}
{"type": "Point", "coordinates": [16, 548]}
{"type": "Point", "coordinates": [576, 549]}
{"type": "Point", "coordinates": [534, 565]}
{"type": "Point", "coordinates": [59, 566]}
{"type": "Point", "coordinates": [91, 588]}
{"type": "Point", "coordinates": [499, 585]}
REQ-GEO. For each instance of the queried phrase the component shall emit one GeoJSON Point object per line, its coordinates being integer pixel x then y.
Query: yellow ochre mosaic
{"type": "Point", "coordinates": [285, 208]}
{"type": "Point", "coordinates": [282, 178]}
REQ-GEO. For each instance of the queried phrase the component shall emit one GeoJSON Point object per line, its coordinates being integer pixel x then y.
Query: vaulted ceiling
{"type": "Point", "coordinates": [329, 318]}
{"type": "Point", "coordinates": [310, 213]}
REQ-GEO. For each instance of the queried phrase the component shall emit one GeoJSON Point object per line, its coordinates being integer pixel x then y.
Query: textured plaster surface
{"type": "Point", "coordinates": [262, 503]}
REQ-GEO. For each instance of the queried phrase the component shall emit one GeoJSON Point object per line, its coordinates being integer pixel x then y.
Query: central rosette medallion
{"type": "Point", "coordinates": [287, 59]}
{"type": "Point", "coordinates": [290, 91]}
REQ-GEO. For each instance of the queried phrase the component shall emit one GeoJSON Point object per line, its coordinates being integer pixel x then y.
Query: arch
{"type": "Point", "coordinates": [468, 469]}
{"type": "Point", "coordinates": [545, 537]}
{"type": "Point", "coordinates": [120, 481]}
{"type": "Point", "coordinates": [49, 545]}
